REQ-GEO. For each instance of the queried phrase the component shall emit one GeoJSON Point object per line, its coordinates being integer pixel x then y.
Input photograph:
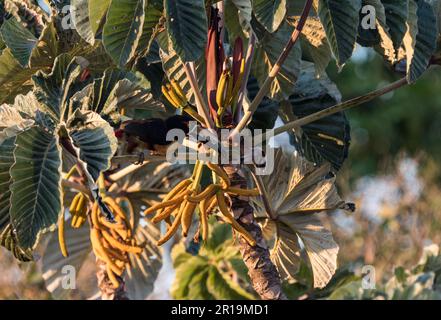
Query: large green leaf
{"type": "Point", "coordinates": [97, 12]}
{"type": "Point", "coordinates": [144, 269]}
{"type": "Point", "coordinates": [78, 246]}
{"type": "Point", "coordinates": [14, 79]}
{"type": "Point", "coordinates": [221, 287]}
{"type": "Point", "coordinates": [103, 87]}
{"type": "Point", "coordinates": [81, 20]}
{"type": "Point", "coordinates": [28, 105]}
{"type": "Point", "coordinates": [95, 139]}
{"type": "Point", "coordinates": [197, 289]}
{"type": "Point", "coordinates": [326, 139]}
{"type": "Point", "coordinates": [186, 23]}
{"type": "Point", "coordinates": [340, 19]}
{"type": "Point", "coordinates": [129, 95]}
{"type": "Point", "coordinates": [379, 36]}
{"type": "Point", "coordinates": [123, 29]}
{"type": "Point", "coordinates": [36, 175]}
{"type": "Point", "coordinates": [237, 17]}
{"type": "Point", "coordinates": [185, 273]}
{"type": "Point", "coordinates": [270, 46]}
{"type": "Point", "coordinates": [8, 239]}
{"type": "Point", "coordinates": [53, 90]}
{"type": "Point", "coordinates": [47, 49]}
{"type": "Point", "coordinates": [19, 39]}
{"type": "Point", "coordinates": [120, 89]}
{"type": "Point", "coordinates": [315, 47]}
{"type": "Point", "coordinates": [420, 39]}
{"type": "Point", "coordinates": [173, 67]}
{"type": "Point", "coordinates": [270, 13]}
{"type": "Point", "coordinates": [396, 17]}
{"type": "Point", "coordinates": [296, 191]}
{"type": "Point", "coordinates": [153, 14]}
{"type": "Point", "coordinates": [319, 244]}
{"type": "Point", "coordinates": [11, 122]}
{"type": "Point", "coordinates": [208, 275]}
{"type": "Point", "coordinates": [266, 113]}
{"type": "Point", "coordinates": [6, 162]}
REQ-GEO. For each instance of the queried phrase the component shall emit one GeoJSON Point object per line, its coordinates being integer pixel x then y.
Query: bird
{"type": "Point", "coordinates": [150, 133]}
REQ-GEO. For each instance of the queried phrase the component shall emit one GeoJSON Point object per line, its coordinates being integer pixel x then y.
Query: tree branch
{"type": "Point", "coordinates": [263, 274]}
{"type": "Point", "coordinates": [200, 103]}
{"type": "Point", "coordinates": [339, 107]}
{"type": "Point", "coordinates": [108, 292]}
{"type": "Point", "coordinates": [275, 70]}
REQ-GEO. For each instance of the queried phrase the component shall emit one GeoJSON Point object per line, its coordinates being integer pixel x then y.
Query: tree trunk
{"type": "Point", "coordinates": [263, 274]}
{"type": "Point", "coordinates": [108, 291]}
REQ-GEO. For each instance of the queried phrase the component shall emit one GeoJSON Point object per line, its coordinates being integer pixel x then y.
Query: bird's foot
{"type": "Point", "coordinates": [141, 159]}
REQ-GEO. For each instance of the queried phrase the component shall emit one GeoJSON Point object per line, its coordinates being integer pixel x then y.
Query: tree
{"type": "Point", "coordinates": [76, 79]}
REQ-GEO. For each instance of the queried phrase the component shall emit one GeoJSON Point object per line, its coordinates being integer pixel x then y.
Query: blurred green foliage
{"type": "Point", "coordinates": [408, 119]}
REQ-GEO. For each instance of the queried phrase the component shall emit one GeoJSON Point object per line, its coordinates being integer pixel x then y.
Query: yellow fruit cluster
{"type": "Point", "coordinates": [228, 90]}
{"type": "Point", "coordinates": [180, 203]}
{"type": "Point", "coordinates": [176, 96]}
{"type": "Point", "coordinates": [113, 241]}
{"type": "Point", "coordinates": [78, 209]}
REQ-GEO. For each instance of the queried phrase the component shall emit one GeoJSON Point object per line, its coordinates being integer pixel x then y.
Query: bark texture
{"type": "Point", "coordinates": [263, 274]}
{"type": "Point", "coordinates": [108, 292]}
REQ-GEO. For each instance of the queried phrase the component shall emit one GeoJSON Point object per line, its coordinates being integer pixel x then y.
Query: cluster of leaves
{"type": "Point", "coordinates": [418, 283]}
{"type": "Point", "coordinates": [61, 108]}
{"type": "Point", "coordinates": [216, 271]}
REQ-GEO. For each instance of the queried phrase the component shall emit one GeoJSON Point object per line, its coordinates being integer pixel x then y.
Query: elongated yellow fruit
{"type": "Point", "coordinates": [130, 208]}
{"type": "Point", "coordinates": [74, 221]}
{"type": "Point", "coordinates": [171, 231]}
{"type": "Point", "coordinates": [230, 219]}
{"type": "Point", "coordinates": [187, 216]}
{"type": "Point", "coordinates": [122, 233]}
{"type": "Point", "coordinates": [229, 93]}
{"type": "Point", "coordinates": [95, 214]}
{"type": "Point", "coordinates": [177, 189]}
{"type": "Point", "coordinates": [179, 101]}
{"type": "Point", "coordinates": [220, 172]}
{"type": "Point", "coordinates": [112, 277]}
{"type": "Point", "coordinates": [208, 192]}
{"type": "Point", "coordinates": [71, 172]}
{"type": "Point", "coordinates": [164, 204]}
{"type": "Point", "coordinates": [203, 216]}
{"type": "Point", "coordinates": [243, 192]}
{"type": "Point", "coordinates": [166, 94]}
{"type": "Point", "coordinates": [73, 205]}
{"type": "Point", "coordinates": [220, 92]}
{"type": "Point", "coordinates": [100, 252]}
{"type": "Point", "coordinates": [61, 238]}
{"type": "Point", "coordinates": [81, 203]}
{"type": "Point", "coordinates": [115, 207]}
{"type": "Point", "coordinates": [177, 88]}
{"type": "Point", "coordinates": [113, 253]}
{"type": "Point", "coordinates": [121, 246]}
{"type": "Point", "coordinates": [165, 214]}
{"type": "Point", "coordinates": [193, 113]}
{"type": "Point", "coordinates": [78, 219]}
{"type": "Point", "coordinates": [110, 225]}
{"type": "Point", "coordinates": [210, 204]}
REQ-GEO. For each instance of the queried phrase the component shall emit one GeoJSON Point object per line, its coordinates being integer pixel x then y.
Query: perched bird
{"type": "Point", "coordinates": [150, 133]}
